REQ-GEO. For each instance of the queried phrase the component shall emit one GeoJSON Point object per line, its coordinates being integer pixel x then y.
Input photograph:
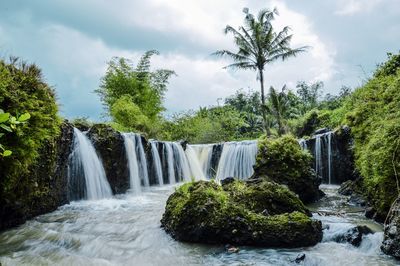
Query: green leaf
{"type": "Point", "coordinates": [6, 128]}
{"type": "Point", "coordinates": [24, 117]}
{"type": "Point", "coordinates": [13, 120]}
{"type": "Point", "coordinates": [1, 111]}
{"type": "Point", "coordinates": [4, 117]}
{"type": "Point", "coordinates": [1, 135]}
{"type": "Point", "coordinates": [7, 153]}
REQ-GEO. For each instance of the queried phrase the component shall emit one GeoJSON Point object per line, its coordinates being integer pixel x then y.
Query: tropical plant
{"type": "Point", "coordinates": [8, 123]}
{"type": "Point", "coordinates": [278, 106]}
{"type": "Point", "coordinates": [259, 45]}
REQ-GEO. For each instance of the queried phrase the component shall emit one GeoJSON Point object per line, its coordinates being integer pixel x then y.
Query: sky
{"type": "Point", "coordinates": [72, 41]}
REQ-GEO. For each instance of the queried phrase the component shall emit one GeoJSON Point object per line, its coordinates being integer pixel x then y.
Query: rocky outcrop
{"type": "Point", "coordinates": [50, 188]}
{"type": "Point", "coordinates": [109, 144]}
{"type": "Point", "coordinates": [259, 214]}
{"type": "Point", "coordinates": [282, 161]}
{"type": "Point", "coordinates": [354, 235]}
{"type": "Point", "coordinates": [355, 190]}
{"type": "Point", "coordinates": [342, 163]}
{"type": "Point", "coordinates": [391, 240]}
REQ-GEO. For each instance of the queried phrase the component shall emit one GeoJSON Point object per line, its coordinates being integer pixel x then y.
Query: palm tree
{"type": "Point", "coordinates": [258, 45]}
{"type": "Point", "coordinates": [279, 107]}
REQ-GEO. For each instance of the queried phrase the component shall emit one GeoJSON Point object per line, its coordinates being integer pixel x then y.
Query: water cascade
{"type": "Point", "coordinates": [197, 171]}
{"type": "Point", "coordinates": [156, 162]}
{"type": "Point", "coordinates": [204, 153]}
{"type": "Point", "coordinates": [237, 159]}
{"type": "Point", "coordinates": [137, 162]}
{"type": "Point", "coordinates": [86, 165]}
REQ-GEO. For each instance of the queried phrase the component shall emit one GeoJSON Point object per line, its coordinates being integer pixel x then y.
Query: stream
{"type": "Point", "coordinates": [125, 230]}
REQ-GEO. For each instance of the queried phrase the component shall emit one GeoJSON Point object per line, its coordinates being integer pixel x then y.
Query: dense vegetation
{"type": "Point", "coordinates": [33, 124]}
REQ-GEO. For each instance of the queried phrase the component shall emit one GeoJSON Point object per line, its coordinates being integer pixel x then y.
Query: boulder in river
{"type": "Point", "coordinates": [281, 160]}
{"type": "Point", "coordinates": [354, 235]}
{"type": "Point", "coordinates": [391, 240]}
{"type": "Point", "coordinates": [239, 213]}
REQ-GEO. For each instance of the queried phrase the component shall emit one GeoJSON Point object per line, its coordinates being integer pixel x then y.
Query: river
{"type": "Point", "coordinates": [125, 230]}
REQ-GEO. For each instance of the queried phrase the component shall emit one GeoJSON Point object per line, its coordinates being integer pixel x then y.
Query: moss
{"type": "Point", "coordinates": [22, 89]}
{"type": "Point", "coordinates": [283, 161]}
{"type": "Point", "coordinates": [239, 213]}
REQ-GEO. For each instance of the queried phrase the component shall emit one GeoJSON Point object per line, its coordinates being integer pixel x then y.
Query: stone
{"type": "Point", "coordinates": [391, 238]}
{"type": "Point", "coordinates": [354, 235]}
{"type": "Point", "coordinates": [206, 212]}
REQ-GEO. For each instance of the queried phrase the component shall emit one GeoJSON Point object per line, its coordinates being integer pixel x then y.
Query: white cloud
{"type": "Point", "coordinates": [351, 7]}
{"type": "Point", "coordinates": [76, 61]}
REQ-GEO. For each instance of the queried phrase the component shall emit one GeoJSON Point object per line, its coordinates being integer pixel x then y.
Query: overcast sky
{"type": "Point", "coordinates": [72, 40]}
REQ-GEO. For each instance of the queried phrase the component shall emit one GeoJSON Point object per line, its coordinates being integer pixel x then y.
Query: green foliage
{"type": "Point", "coordinates": [24, 93]}
{"type": "Point", "coordinates": [375, 122]}
{"type": "Point", "coordinates": [133, 96]}
{"type": "Point", "coordinates": [8, 123]}
{"type": "Point", "coordinates": [390, 67]}
{"type": "Point", "coordinates": [206, 126]}
{"type": "Point", "coordinates": [283, 161]}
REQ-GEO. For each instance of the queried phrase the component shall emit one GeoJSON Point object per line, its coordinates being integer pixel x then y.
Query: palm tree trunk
{"type": "Point", "coordinates": [263, 106]}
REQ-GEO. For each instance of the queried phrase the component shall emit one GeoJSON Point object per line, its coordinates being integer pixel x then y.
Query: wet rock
{"type": "Point", "coordinates": [109, 143]}
{"type": "Point", "coordinates": [231, 249]}
{"type": "Point", "coordinates": [321, 131]}
{"type": "Point", "coordinates": [227, 181]}
{"type": "Point", "coordinates": [50, 172]}
{"type": "Point", "coordinates": [354, 235]}
{"type": "Point", "coordinates": [300, 258]}
{"type": "Point", "coordinates": [205, 212]}
{"type": "Point", "coordinates": [391, 239]}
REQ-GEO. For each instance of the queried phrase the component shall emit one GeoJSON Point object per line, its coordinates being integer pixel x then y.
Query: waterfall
{"type": "Point", "coordinates": [204, 154]}
{"type": "Point", "coordinates": [181, 162]}
{"type": "Point", "coordinates": [85, 163]}
{"type": "Point", "coordinates": [329, 157]}
{"type": "Point", "coordinates": [303, 144]}
{"type": "Point", "coordinates": [137, 163]}
{"type": "Point", "coordinates": [156, 162]}
{"type": "Point", "coordinates": [169, 154]}
{"type": "Point", "coordinates": [197, 171]}
{"type": "Point", "coordinates": [323, 156]}
{"type": "Point", "coordinates": [318, 155]}
{"type": "Point", "coordinates": [237, 159]}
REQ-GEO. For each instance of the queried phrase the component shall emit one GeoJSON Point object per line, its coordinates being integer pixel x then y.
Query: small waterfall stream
{"type": "Point", "coordinates": [85, 163]}
{"type": "Point", "coordinates": [156, 162]}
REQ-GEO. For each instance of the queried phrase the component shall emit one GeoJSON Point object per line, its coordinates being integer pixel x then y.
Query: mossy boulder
{"type": "Point", "coordinates": [283, 161]}
{"type": "Point", "coordinates": [109, 143]}
{"type": "Point", "coordinates": [259, 214]}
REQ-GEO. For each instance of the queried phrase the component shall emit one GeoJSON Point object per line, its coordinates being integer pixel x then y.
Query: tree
{"type": "Point", "coordinates": [309, 94]}
{"type": "Point", "coordinates": [279, 107]}
{"type": "Point", "coordinates": [259, 45]}
{"type": "Point", "coordinates": [137, 87]}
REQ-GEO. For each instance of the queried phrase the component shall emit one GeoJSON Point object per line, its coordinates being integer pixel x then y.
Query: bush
{"type": "Point", "coordinates": [22, 89]}
{"type": "Point", "coordinates": [375, 122]}
{"type": "Point", "coordinates": [283, 161]}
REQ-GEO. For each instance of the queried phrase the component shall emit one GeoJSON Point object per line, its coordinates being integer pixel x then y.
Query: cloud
{"type": "Point", "coordinates": [351, 7]}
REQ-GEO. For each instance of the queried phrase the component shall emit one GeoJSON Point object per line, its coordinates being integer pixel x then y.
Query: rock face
{"type": "Point", "coordinates": [342, 155]}
{"type": "Point", "coordinates": [51, 187]}
{"type": "Point", "coordinates": [354, 235]}
{"type": "Point", "coordinates": [391, 240]}
{"type": "Point", "coordinates": [282, 161]}
{"type": "Point", "coordinates": [259, 214]}
{"type": "Point", "coordinates": [109, 144]}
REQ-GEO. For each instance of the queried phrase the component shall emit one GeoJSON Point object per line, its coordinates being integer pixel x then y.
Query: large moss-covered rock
{"type": "Point", "coordinates": [109, 143]}
{"type": "Point", "coordinates": [391, 240]}
{"type": "Point", "coordinates": [260, 214]}
{"type": "Point", "coordinates": [282, 160]}
{"type": "Point", "coordinates": [45, 188]}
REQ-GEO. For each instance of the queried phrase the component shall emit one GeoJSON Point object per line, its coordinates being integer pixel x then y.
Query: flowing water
{"type": "Point", "coordinates": [125, 230]}
{"type": "Point", "coordinates": [86, 168]}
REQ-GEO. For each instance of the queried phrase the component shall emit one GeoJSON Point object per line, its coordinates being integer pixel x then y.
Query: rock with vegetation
{"type": "Point", "coordinates": [257, 213]}
{"type": "Point", "coordinates": [281, 160]}
{"type": "Point", "coordinates": [33, 179]}
{"type": "Point", "coordinates": [109, 143]}
{"type": "Point", "coordinates": [391, 240]}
